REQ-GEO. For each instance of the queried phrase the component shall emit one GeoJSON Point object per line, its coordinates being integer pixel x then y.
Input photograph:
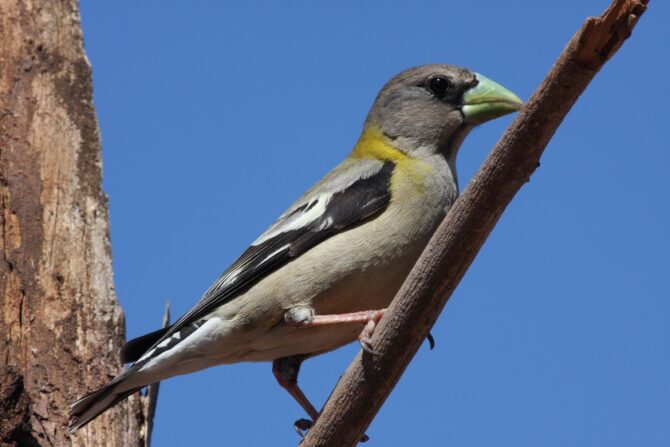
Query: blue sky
{"type": "Point", "coordinates": [214, 117]}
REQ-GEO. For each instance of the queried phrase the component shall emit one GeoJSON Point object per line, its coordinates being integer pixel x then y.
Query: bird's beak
{"type": "Point", "coordinates": [488, 100]}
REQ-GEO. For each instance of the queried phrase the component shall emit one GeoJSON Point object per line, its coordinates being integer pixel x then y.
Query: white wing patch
{"type": "Point", "coordinates": [147, 354]}
{"type": "Point", "coordinates": [234, 274]}
{"type": "Point", "coordinates": [298, 219]}
{"type": "Point", "coordinates": [229, 279]}
{"type": "Point", "coordinates": [272, 255]}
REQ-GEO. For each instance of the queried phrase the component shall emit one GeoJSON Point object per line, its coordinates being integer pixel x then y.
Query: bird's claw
{"type": "Point", "coordinates": [431, 341]}
{"type": "Point", "coordinates": [366, 344]}
{"type": "Point", "coordinates": [302, 426]}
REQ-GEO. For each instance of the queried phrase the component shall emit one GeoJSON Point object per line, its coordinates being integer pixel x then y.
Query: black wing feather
{"type": "Point", "coordinates": [134, 349]}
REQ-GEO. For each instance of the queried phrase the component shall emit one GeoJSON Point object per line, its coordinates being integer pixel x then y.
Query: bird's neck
{"type": "Point", "coordinates": [374, 144]}
{"type": "Point", "coordinates": [449, 146]}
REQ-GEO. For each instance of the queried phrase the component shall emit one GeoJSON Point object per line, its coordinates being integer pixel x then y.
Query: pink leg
{"type": "Point", "coordinates": [369, 317]}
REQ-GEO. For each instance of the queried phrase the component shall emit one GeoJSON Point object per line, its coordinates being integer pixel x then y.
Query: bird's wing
{"type": "Point", "coordinates": [348, 195]}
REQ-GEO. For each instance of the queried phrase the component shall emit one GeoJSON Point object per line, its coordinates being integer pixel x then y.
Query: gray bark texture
{"type": "Point", "coordinates": [61, 326]}
{"type": "Point", "coordinates": [369, 379]}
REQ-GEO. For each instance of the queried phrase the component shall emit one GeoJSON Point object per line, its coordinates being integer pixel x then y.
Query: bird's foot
{"type": "Point", "coordinates": [303, 425]}
{"type": "Point", "coordinates": [365, 337]}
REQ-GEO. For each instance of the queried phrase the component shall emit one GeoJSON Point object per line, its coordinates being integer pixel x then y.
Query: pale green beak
{"type": "Point", "coordinates": [488, 100]}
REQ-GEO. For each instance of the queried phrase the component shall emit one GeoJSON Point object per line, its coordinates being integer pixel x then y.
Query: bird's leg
{"type": "Point", "coordinates": [369, 317]}
{"type": "Point", "coordinates": [286, 371]}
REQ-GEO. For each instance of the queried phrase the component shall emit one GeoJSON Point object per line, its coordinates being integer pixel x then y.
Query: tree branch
{"type": "Point", "coordinates": [151, 397]}
{"type": "Point", "coordinates": [369, 379]}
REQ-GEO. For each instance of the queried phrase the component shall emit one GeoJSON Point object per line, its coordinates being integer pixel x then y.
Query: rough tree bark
{"type": "Point", "coordinates": [61, 326]}
{"type": "Point", "coordinates": [369, 379]}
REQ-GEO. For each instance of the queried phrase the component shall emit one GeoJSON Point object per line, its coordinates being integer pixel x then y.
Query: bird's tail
{"type": "Point", "coordinates": [90, 406]}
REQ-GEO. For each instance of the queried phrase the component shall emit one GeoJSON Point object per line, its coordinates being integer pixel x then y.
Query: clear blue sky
{"type": "Point", "coordinates": [215, 117]}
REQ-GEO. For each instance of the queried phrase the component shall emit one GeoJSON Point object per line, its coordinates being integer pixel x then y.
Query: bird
{"type": "Point", "coordinates": [323, 273]}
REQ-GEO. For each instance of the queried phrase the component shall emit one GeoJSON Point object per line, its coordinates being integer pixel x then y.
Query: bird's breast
{"type": "Point", "coordinates": [361, 268]}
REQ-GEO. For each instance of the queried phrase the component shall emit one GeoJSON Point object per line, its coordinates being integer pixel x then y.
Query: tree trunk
{"type": "Point", "coordinates": [61, 325]}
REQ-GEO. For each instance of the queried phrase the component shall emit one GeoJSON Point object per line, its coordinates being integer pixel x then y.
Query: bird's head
{"type": "Point", "coordinates": [432, 107]}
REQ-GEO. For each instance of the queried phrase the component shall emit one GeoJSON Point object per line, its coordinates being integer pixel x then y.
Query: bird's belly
{"type": "Point", "coordinates": [285, 341]}
{"type": "Point", "coordinates": [355, 292]}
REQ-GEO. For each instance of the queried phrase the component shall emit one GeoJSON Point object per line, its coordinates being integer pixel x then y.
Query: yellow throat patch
{"type": "Point", "coordinates": [373, 144]}
{"type": "Point", "coordinates": [410, 171]}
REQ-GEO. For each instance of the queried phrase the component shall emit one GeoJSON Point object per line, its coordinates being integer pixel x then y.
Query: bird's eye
{"type": "Point", "coordinates": [438, 86]}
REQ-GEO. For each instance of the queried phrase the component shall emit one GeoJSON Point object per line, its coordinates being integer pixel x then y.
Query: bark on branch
{"type": "Point", "coordinates": [369, 379]}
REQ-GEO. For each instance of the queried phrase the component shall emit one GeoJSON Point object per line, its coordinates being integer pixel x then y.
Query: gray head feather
{"type": "Point", "coordinates": [410, 113]}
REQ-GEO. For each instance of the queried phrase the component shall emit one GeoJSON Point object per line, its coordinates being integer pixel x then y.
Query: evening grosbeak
{"type": "Point", "coordinates": [323, 273]}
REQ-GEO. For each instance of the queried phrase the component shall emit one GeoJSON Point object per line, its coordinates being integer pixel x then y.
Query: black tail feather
{"type": "Point", "coordinates": [90, 406]}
